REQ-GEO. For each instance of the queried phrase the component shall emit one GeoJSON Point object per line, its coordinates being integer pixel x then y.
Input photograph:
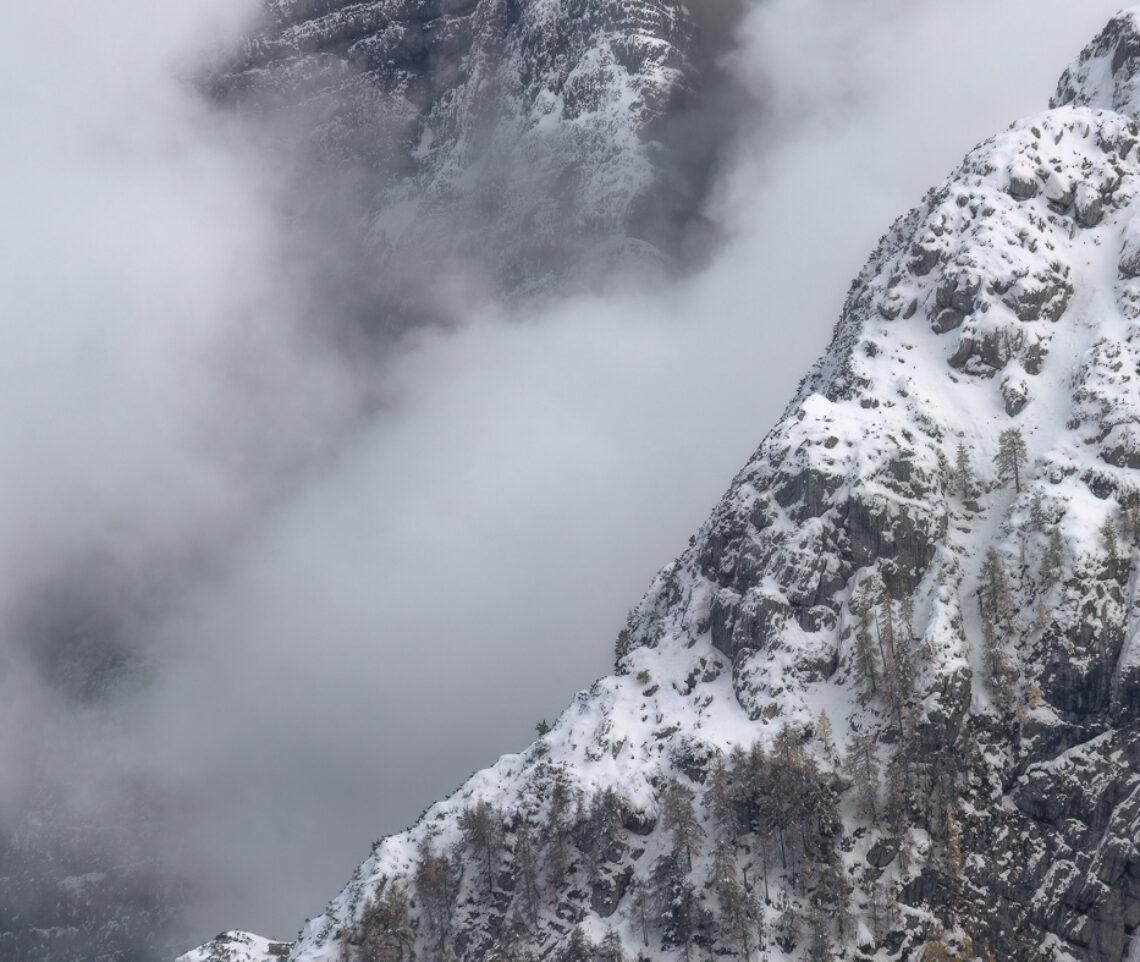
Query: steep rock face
{"type": "Point", "coordinates": [887, 704]}
{"type": "Point", "coordinates": [1107, 73]}
{"type": "Point", "coordinates": [530, 140]}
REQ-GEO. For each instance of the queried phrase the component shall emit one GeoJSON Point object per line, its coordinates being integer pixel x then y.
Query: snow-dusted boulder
{"type": "Point", "coordinates": [238, 947]}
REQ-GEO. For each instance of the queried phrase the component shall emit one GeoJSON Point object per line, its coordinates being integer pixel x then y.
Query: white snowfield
{"type": "Point", "coordinates": [1009, 299]}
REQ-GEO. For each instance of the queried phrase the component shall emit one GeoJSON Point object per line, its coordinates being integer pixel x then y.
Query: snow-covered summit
{"type": "Point", "coordinates": [887, 702]}
{"type": "Point", "coordinates": [1106, 75]}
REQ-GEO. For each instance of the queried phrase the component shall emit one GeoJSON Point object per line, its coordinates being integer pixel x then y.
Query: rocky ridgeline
{"type": "Point", "coordinates": [887, 704]}
{"type": "Point", "coordinates": [532, 142]}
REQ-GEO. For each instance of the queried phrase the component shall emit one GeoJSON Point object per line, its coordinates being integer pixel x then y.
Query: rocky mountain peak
{"type": "Point", "coordinates": [887, 703]}
{"type": "Point", "coordinates": [1104, 76]}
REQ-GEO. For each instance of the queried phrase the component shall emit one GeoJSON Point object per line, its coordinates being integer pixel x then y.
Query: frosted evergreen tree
{"type": "Point", "coordinates": [898, 666]}
{"type": "Point", "coordinates": [610, 948]}
{"type": "Point", "coordinates": [825, 736]}
{"type": "Point", "coordinates": [721, 800]}
{"type": "Point", "coordinates": [864, 646]}
{"type": "Point", "coordinates": [963, 471]}
{"type": "Point", "coordinates": [483, 832]}
{"type": "Point", "coordinates": [557, 829]}
{"type": "Point", "coordinates": [996, 599]}
{"type": "Point", "coordinates": [681, 820]}
{"type": "Point", "coordinates": [906, 617]}
{"type": "Point", "coordinates": [1111, 546]}
{"type": "Point", "coordinates": [862, 764]}
{"type": "Point", "coordinates": [599, 832]}
{"type": "Point", "coordinates": [433, 891]}
{"type": "Point", "coordinates": [1011, 457]}
{"type": "Point", "coordinates": [876, 907]}
{"type": "Point", "coordinates": [740, 912]}
{"type": "Point", "coordinates": [903, 681]}
{"type": "Point", "coordinates": [676, 905]}
{"type": "Point", "coordinates": [819, 943]}
{"type": "Point", "coordinates": [642, 905]}
{"type": "Point", "coordinates": [526, 866]}
{"type": "Point", "coordinates": [578, 947]}
{"type": "Point", "coordinates": [388, 934]}
{"type": "Point", "coordinates": [1054, 560]}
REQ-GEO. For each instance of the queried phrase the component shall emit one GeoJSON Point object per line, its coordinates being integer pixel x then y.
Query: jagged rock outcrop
{"type": "Point", "coordinates": [887, 703]}
{"type": "Point", "coordinates": [1106, 76]}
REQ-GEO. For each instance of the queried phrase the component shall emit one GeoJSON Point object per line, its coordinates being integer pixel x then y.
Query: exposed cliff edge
{"type": "Point", "coordinates": [887, 703]}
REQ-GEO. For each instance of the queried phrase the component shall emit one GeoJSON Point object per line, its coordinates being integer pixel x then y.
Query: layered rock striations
{"type": "Point", "coordinates": [887, 703]}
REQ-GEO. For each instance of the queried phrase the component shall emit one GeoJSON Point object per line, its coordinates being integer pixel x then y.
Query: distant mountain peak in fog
{"type": "Point", "coordinates": [522, 145]}
{"type": "Point", "coordinates": [887, 703]}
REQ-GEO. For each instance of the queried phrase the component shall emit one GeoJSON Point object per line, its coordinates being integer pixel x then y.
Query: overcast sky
{"type": "Point", "coordinates": [347, 606]}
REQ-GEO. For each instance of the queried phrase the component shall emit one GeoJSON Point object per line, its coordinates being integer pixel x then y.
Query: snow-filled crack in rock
{"type": "Point", "coordinates": [887, 703]}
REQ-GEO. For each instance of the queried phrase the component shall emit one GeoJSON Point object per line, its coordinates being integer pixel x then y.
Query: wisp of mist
{"type": "Point", "coordinates": [272, 602]}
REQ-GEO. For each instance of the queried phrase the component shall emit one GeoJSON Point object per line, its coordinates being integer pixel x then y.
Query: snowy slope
{"type": "Point", "coordinates": [888, 700]}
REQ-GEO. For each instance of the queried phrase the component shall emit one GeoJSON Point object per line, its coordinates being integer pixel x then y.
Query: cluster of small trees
{"type": "Point", "coordinates": [999, 611]}
{"type": "Point", "coordinates": [864, 767]}
{"type": "Point", "coordinates": [483, 832]}
{"type": "Point", "coordinates": [433, 884]}
{"type": "Point", "coordinates": [671, 901]}
{"type": "Point", "coordinates": [884, 646]}
{"type": "Point", "coordinates": [1009, 462]}
{"type": "Point", "coordinates": [579, 948]}
{"type": "Point", "coordinates": [783, 808]}
{"type": "Point", "coordinates": [777, 806]}
{"type": "Point", "coordinates": [774, 815]}
{"type": "Point", "coordinates": [780, 809]}
{"type": "Point", "coordinates": [533, 862]}
{"type": "Point", "coordinates": [387, 934]}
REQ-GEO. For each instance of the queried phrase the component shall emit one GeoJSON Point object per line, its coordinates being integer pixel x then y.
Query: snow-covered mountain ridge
{"type": "Point", "coordinates": [887, 703]}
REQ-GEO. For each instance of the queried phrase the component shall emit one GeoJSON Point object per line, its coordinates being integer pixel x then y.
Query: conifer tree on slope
{"type": "Point", "coordinates": [1011, 457]}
